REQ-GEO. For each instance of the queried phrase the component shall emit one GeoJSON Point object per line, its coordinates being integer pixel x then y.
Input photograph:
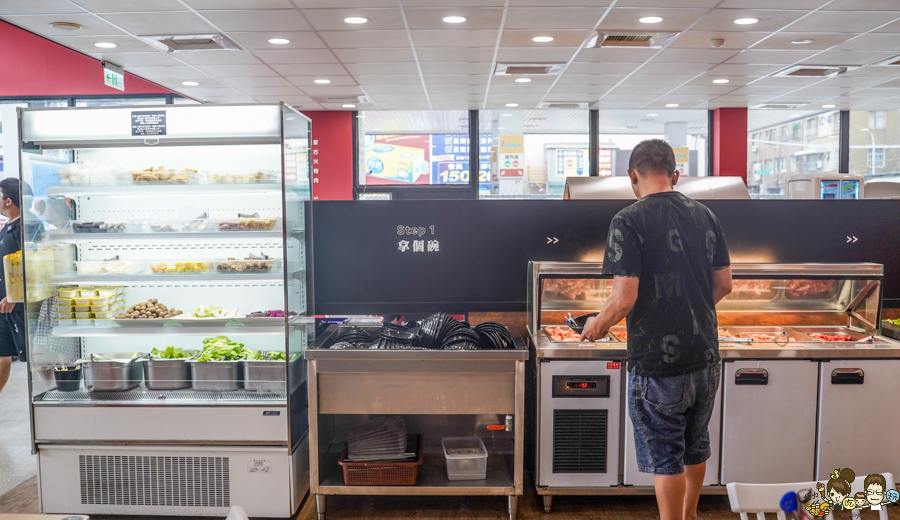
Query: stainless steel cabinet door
{"type": "Point", "coordinates": [856, 421]}
{"type": "Point", "coordinates": [769, 421]}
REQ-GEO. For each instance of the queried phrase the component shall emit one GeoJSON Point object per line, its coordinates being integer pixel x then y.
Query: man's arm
{"type": "Point", "coordinates": [721, 283]}
{"type": "Point", "coordinates": [615, 308]}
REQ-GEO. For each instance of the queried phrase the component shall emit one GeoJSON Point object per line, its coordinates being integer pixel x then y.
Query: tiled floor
{"type": "Point", "coordinates": [17, 464]}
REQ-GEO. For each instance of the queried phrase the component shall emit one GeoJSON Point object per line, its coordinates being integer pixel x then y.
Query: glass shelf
{"type": "Point", "coordinates": [93, 237]}
{"type": "Point", "coordinates": [106, 279]}
{"type": "Point", "coordinates": [172, 327]}
{"type": "Point", "coordinates": [161, 189]}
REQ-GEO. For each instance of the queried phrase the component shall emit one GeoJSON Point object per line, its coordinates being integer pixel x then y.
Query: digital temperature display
{"type": "Point", "coordinates": [581, 385]}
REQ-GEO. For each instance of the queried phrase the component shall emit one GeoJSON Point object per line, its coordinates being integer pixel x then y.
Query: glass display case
{"type": "Point", "coordinates": [167, 288]}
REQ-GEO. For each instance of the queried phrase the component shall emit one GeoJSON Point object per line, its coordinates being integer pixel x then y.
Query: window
{"type": "Point", "coordinates": [875, 158]}
{"type": "Point", "coordinates": [120, 101]}
{"type": "Point", "coordinates": [784, 133]}
{"type": "Point", "coordinates": [795, 130]}
{"type": "Point", "coordinates": [793, 163]}
{"type": "Point", "coordinates": [877, 119]}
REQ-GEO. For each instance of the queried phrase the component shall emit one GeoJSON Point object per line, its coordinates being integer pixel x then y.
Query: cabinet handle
{"type": "Point", "coordinates": [751, 376]}
{"type": "Point", "coordinates": [847, 376]}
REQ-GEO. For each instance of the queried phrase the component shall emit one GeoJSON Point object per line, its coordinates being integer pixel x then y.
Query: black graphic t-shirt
{"type": "Point", "coordinates": [672, 244]}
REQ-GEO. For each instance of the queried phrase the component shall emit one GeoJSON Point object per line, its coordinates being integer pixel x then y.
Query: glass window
{"type": "Point", "coordinates": [178, 100]}
{"type": "Point", "coordinates": [812, 148]}
{"type": "Point", "coordinates": [874, 148]}
{"type": "Point", "coordinates": [536, 151]}
{"type": "Point", "coordinates": [123, 101]}
{"type": "Point", "coordinates": [414, 148]}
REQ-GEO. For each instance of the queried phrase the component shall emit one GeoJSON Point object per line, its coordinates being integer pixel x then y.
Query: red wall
{"type": "Point", "coordinates": [332, 155]}
{"type": "Point", "coordinates": [34, 66]}
{"type": "Point", "coordinates": [730, 142]}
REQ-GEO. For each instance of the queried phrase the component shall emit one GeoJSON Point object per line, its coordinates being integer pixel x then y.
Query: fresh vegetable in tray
{"type": "Point", "coordinates": [274, 355]}
{"type": "Point", "coordinates": [171, 353]}
{"type": "Point", "coordinates": [214, 311]}
{"type": "Point", "coordinates": [220, 348]}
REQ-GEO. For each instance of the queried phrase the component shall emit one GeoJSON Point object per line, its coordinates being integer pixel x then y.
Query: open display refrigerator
{"type": "Point", "coordinates": [168, 295]}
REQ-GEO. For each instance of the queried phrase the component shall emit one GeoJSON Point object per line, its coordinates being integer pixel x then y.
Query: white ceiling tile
{"type": "Point", "coordinates": [677, 68]}
{"type": "Point", "coordinates": [205, 83]}
{"type": "Point", "coordinates": [768, 57]}
{"type": "Point", "coordinates": [260, 40]}
{"type": "Point", "coordinates": [369, 55]}
{"type": "Point", "coordinates": [707, 91]}
{"type": "Point", "coordinates": [309, 69]}
{"type": "Point", "coordinates": [382, 69]}
{"type": "Point", "coordinates": [769, 20]}
{"type": "Point", "coordinates": [561, 38]}
{"type": "Point", "coordinates": [138, 59]}
{"type": "Point", "coordinates": [460, 90]}
{"type": "Point", "coordinates": [694, 55]}
{"type": "Point", "coordinates": [645, 98]}
{"type": "Point", "coordinates": [125, 44]}
{"type": "Point", "coordinates": [198, 92]}
{"type": "Point", "coordinates": [707, 80]}
{"type": "Point", "coordinates": [594, 90]}
{"type": "Point", "coordinates": [459, 38]}
{"type": "Point", "coordinates": [744, 70]}
{"type": "Point", "coordinates": [309, 81]}
{"type": "Point", "coordinates": [585, 97]}
{"type": "Point", "coordinates": [455, 79]}
{"type": "Point", "coordinates": [438, 67]}
{"type": "Point", "coordinates": [121, 6]}
{"type": "Point", "coordinates": [872, 72]}
{"type": "Point", "coordinates": [528, 54]}
{"type": "Point", "coordinates": [271, 91]}
{"type": "Point", "coordinates": [617, 105]}
{"type": "Point", "coordinates": [388, 80]}
{"type": "Point", "coordinates": [470, 54]}
{"type": "Point", "coordinates": [594, 68]}
{"type": "Point", "coordinates": [364, 39]}
{"type": "Point", "coordinates": [519, 89]}
{"type": "Point", "coordinates": [432, 18]}
{"type": "Point", "coordinates": [511, 80]}
{"type": "Point", "coordinates": [670, 80]}
{"type": "Point", "coordinates": [8, 7]}
{"type": "Point", "coordinates": [225, 99]}
{"type": "Point", "coordinates": [240, 4]}
{"type": "Point", "coordinates": [297, 56]}
{"type": "Point", "coordinates": [626, 19]}
{"type": "Point", "coordinates": [787, 82]}
{"type": "Point", "coordinates": [893, 28]}
{"type": "Point", "coordinates": [294, 100]}
{"type": "Point", "coordinates": [700, 39]}
{"type": "Point", "coordinates": [258, 81]}
{"type": "Point", "coordinates": [329, 91]}
{"type": "Point", "coordinates": [448, 97]}
{"type": "Point", "coordinates": [667, 3]}
{"type": "Point", "coordinates": [388, 98]}
{"type": "Point", "coordinates": [843, 21]}
{"type": "Point", "coordinates": [333, 19]}
{"type": "Point", "coordinates": [419, 105]}
{"type": "Point", "coordinates": [164, 22]}
{"type": "Point", "coordinates": [871, 42]}
{"type": "Point", "coordinates": [821, 41]}
{"type": "Point", "coordinates": [238, 70]}
{"type": "Point", "coordinates": [90, 25]}
{"type": "Point", "coordinates": [850, 57]}
{"type": "Point", "coordinates": [559, 3]}
{"type": "Point", "coordinates": [181, 72]}
{"type": "Point", "coordinates": [612, 55]}
{"type": "Point", "coordinates": [589, 80]}
{"type": "Point", "coordinates": [553, 17]}
{"type": "Point", "coordinates": [772, 4]}
{"type": "Point", "coordinates": [394, 89]}
{"type": "Point", "coordinates": [760, 91]}
{"type": "Point", "coordinates": [257, 20]}
{"type": "Point", "coordinates": [218, 58]}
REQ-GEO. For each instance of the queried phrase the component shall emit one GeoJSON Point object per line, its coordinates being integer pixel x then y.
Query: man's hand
{"type": "Point", "coordinates": [593, 329]}
{"type": "Point", "coordinates": [5, 306]}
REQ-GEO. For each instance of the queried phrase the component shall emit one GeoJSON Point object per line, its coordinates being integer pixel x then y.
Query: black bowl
{"type": "Point", "coordinates": [580, 321]}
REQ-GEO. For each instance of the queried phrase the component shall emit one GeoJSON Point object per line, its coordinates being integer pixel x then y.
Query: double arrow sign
{"type": "Point", "coordinates": [851, 239]}
{"type": "Point", "coordinates": [552, 240]}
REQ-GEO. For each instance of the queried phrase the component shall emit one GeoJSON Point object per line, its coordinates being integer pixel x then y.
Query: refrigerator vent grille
{"type": "Point", "coordinates": [579, 441]}
{"type": "Point", "coordinates": [128, 480]}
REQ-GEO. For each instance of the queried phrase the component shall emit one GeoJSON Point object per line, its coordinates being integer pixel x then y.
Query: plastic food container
{"type": "Point", "coordinates": [83, 315]}
{"type": "Point", "coordinates": [82, 308]}
{"type": "Point", "coordinates": [66, 315]}
{"type": "Point", "coordinates": [107, 292]}
{"type": "Point", "coordinates": [243, 177]}
{"type": "Point", "coordinates": [66, 292]}
{"type": "Point", "coordinates": [163, 176]}
{"type": "Point", "coordinates": [105, 315]}
{"type": "Point", "coordinates": [84, 321]}
{"type": "Point", "coordinates": [201, 225]}
{"type": "Point", "coordinates": [102, 226]}
{"type": "Point", "coordinates": [82, 301]}
{"type": "Point", "coordinates": [87, 292]}
{"type": "Point", "coordinates": [66, 322]}
{"type": "Point", "coordinates": [101, 301]}
{"type": "Point", "coordinates": [466, 458]}
{"type": "Point", "coordinates": [216, 376]}
{"type": "Point", "coordinates": [248, 224]}
{"type": "Point", "coordinates": [104, 267]}
{"type": "Point", "coordinates": [194, 267]}
{"type": "Point", "coordinates": [68, 378]}
{"type": "Point", "coordinates": [100, 308]}
{"type": "Point", "coordinates": [166, 374]}
{"type": "Point", "coordinates": [248, 266]}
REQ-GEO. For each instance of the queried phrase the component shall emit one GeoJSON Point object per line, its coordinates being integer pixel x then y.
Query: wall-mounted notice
{"type": "Point", "coordinates": [148, 122]}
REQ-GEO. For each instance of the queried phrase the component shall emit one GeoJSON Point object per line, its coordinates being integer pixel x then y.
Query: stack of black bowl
{"type": "Point", "coordinates": [397, 337]}
{"type": "Point", "coordinates": [353, 338]}
{"type": "Point", "coordinates": [436, 332]}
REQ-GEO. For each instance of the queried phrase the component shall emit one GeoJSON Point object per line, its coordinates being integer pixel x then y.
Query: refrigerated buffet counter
{"type": "Point", "coordinates": [790, 336]}
{"type": "Point", "coordinates": [438, 392]}
{"type": "Point", "coordinates": [166, 268]}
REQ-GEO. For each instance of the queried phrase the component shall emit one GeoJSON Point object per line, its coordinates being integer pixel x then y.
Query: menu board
{"type": "Point", "coordinates": [148, 122]}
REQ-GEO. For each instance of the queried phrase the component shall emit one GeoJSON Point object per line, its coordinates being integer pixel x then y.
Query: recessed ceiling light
{"type": "Point", "coordinates": [280, 41]}
{"type": "Point", "coordinates": [523, 80]}
{"type": "Point", "coordinates": [720, 81]}
{"type": "Point", "coordinates": [650, 19]}
{"type": "Point", "coordinates": [189, 83]}
{"type": "Point", "coordinates": [802, 42]}
{"type": "Point", "coordinates": [322, 81]}
{"type": "Point", "coordinates": [349, 106]}
{"type": "Point", "coordinates": [652, 115]}
{"type": "Point", "coordinates": [507, 114]}
{"type": "Point", "coordinates": [746, 21]}
{"type": "Point", "coordinates": [542, 39]}
{"type": "Point", "coordinates": [65, 26]}
{"type": "Point", "coordinates": [827, 106]}
{"type": "Point", "coordinates": [356, 19]}
{"type": "Point", "coordinates": [795, 115]}
{"type": "Point", "coordinates": [512, 104]}
{"type": "Point", "coordinates": [454, 19]}
{"type": "Point", "coordinates": [105, 45]}
{"type": "Point", "coordinates": [671, 105]}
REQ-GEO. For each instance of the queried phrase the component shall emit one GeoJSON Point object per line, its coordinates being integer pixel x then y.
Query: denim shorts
{"type": "Point", "coordinates": [670, 416]}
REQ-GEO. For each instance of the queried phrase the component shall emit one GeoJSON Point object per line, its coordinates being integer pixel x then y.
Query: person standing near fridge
{"type": "Point", "coordinates": [12, 315]}
{"type": "Point", "coordinates": [671, 266]}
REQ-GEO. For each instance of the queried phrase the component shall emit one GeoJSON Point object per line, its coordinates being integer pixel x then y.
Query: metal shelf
{"type": "Point", "coordinates": [141, 396]}
{"type": "Point", "coordinates": [94, 237]}
{"type": "Point", "coordinates": [277, 276]}
{"type": "Point", "coordinates": [162, 189]}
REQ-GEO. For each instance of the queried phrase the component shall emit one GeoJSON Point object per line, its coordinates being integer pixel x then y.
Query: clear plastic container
{"type": "Point", "coordinates": [66, 292]}
{"type": "Point", "coordinates": [82, 301]}
{"type": "Point", "coordinates": [101, 301]}
{"type": "Point", "coordinates": [65, 308]}
{"type": "Point", "coordinates": [164, 176]}
{"type": "Point", "coordinates": [87, 292]}
{"type": "Point", "coordinates": [84, 321]}
{"type": "Point", "coordinates": [205, 225]}
{"type": "Point", "coordinates": [108, 267]}
{"type": "Point", "coordinates": [105, 315]}
{"type": "Point", "coordinates": [65, 302]}
{"type": "Point", "coordinates": [66, 322]}
{"type": "Point", "coordinates": [247, 266]}
{"type": "Point", "coordinates": [65, 315]}
{"type": "Point", "coordinates": [243, 177]}
{"type": "Point", "coordinates": [100, 308]}
{"type": "Point", "coordinates": [103, 226]}
{"type": "Point", "coordinates": [181, 267]}
{"type": "Point", "coordinates": [83, 315]}
{"type": "Point", "coordinates": [248, 224]}
{"type": "Point", "coordinates": [466, 458]}
{"type": "Point", "coordinates": [82, 308]}
{"type": "Point", "coordinates": [108, 292]}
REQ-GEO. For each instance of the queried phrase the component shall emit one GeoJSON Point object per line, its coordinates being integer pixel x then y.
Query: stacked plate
{"type": "Point", "coordinates": [353, 338]}
{"type": "Point", "coordinates": [380, 440]}
{"type": "Point", "coordinates": [397, 337]}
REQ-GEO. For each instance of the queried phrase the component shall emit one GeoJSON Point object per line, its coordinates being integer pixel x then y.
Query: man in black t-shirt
{"type": "Point", "coordinates": [670, 264]}
{"type": "Point", "coordinates": [12, 315]}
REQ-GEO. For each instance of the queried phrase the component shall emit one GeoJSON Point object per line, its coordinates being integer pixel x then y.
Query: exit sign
{"type": "Point", "coordinates": [113, 76]}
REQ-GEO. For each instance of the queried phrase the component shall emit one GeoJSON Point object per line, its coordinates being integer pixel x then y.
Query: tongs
{"type": "Point", "coordinates": [867, 339]}
{"type": "Point", "coordinates": [570, 321]}
{"type": "Point", "coordinates": [735, 340]}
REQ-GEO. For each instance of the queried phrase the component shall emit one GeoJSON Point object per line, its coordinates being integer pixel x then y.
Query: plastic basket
{"type": "Point", "coordinates": [381, 473]}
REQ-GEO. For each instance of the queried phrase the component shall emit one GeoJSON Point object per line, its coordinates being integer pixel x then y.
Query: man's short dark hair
{"type": "Point", "coordinates": [652, 157]}
{"type": "Point", "coordinates": [10, 189]}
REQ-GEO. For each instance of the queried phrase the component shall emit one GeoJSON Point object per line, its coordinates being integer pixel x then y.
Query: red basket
{"type": "Point", "coordinates": [381, 473]}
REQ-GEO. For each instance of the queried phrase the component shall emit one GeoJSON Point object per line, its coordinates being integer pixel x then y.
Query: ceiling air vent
{"type": "Point", "coordinates": [814, 71]}
{"type": "Point", "coordinates": [529, 69]}
{"type": "Point", "coordinates": [779, 106]}
{"type": "Point", "coordinates": [563, 104]}
{"type": "Point", "coordinates": [192, 42]}
{"type": "Point", "coordinates": [631, 40]}
{"type": "Point", "coordinates": [342, 99]}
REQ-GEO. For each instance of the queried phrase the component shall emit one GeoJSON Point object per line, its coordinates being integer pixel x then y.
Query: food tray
{"type": "Point", "coordinates": [249, 224]}
{"type": "Point", "coordinates": [381, 473]}
{"type": "Point", "coordinates": [754, 290]}
{"type": "Point", "coordinates": [103, 267]}
{"type": "Point", "coordinates": [808, 289]}
{"type": "Point", "coordinates": [620, 333]}
{"type": "Point", "coordinates": [121, 373]}
{"type": "Point", "coordinates": [181, 267]}
{"type": "Point", "coordinates": [772, 331]}
{"type": "Point", "coordinates": [264, 376]}
{"type": "Point", "coordinates": [243, 177]}
{"type": "Point", "coordinates": [102, 226]}
{"type": "Point", "coordinates": [204, 225]}
{"type": "Point", "coordinates": [842, 331]}
{"type": "Point", "coordinates": [890, 330]}
{"type": "Point", "coordinates": [164, 176]}
{"type": "Point", "coordinates": [247, 266]}
{"type": "Point", "coordinates": [215, 376]}
{"type": "Point", "coordinates": [609, 338]}
{"type": "Point", "coordinates": [166, 374]}
{"type": "Point", "coordinates": [465, 457]}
